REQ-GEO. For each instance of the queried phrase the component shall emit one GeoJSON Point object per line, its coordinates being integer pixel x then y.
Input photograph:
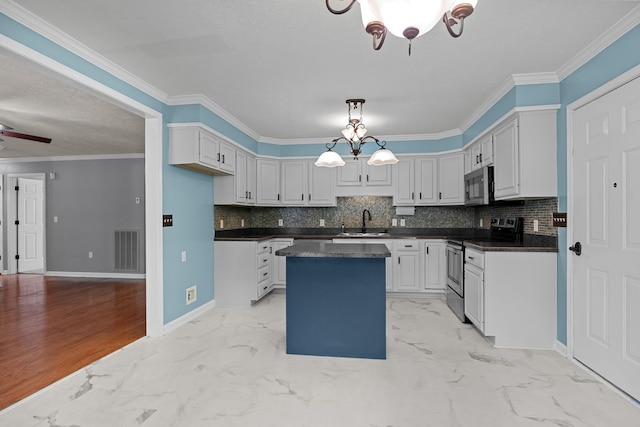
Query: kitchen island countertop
{"type": "Point", "coordinates": [335, 250]}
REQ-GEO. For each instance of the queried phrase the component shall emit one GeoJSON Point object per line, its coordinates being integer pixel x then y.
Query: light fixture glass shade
{"type": "Point", "coordinates": [361, 132]}
{"type": "Point", "coordinates": [329, 159]}
{"type": "Point", "coordinates": [382, 157]}
{"type": "Point", "coordinates": [349, 133]}
{"type": "Point", "coordinates": [398, 15]}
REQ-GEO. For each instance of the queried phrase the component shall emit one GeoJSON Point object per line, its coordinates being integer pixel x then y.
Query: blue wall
{"type": "Point", "coordinates": [189, 195]}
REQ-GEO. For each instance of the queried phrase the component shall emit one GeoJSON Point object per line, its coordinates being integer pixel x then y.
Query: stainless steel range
{"type": "Point", "coordinates": [502, 229]}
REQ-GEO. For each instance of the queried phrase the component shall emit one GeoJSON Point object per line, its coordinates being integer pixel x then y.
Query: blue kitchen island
{"type": "Point", "coordinates": [336, 299]}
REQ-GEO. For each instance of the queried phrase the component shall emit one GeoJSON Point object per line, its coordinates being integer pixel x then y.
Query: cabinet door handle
{"type": "Point", "coordinates": [302, 196]}
{"type": "Point", "coordinates": [408, 246]}
{"type": "Point", "coordinates": [440, 195]}
{"type": "Point", "coordinates": [265, 288]}
{"type": "Point", "coordinates": [421, 195]}
{"type": "Point", "coordinates": [398, 260]}
{"type": "Point", "coordinates": [218, 157]}
{"type": "Point", "coordinates": [278, 196]}
{"type": "Point", "coordinates": [477, 159]}
{"type": "Point", "coordinates": [427, 250]}
{"type": "Point", "coordinates": [223, 158]}
{"type": "Point", "coordinates": [367, 177]}
{"type": "Point", "coordinates": [270, 250]}
{"type": "Point", "coordinates": [412, 196]}
{"type": "Point", "coordinates": [359, 178]}
{"type": "Point", "coordinates": [480, 157]}
{"type": "Point", "coordinates": [472, 258]}
{"type": "Point", "coordinates": [264, 274]}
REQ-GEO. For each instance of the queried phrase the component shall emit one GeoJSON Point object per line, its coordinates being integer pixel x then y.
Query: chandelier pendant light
{"type": "Point", "coordinates": [354, 134]}
{"type": "Point", "coordinates": [406, 18]}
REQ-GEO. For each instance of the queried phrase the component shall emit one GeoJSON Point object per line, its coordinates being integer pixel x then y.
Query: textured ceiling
{"type": "Point", "coordinates": [283, 68]}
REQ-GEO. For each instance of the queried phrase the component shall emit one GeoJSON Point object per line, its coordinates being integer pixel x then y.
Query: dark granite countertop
{"type": "Point", "coordinates": [472, 237]}
{"type": "Point", "coordinates": [316, 249]}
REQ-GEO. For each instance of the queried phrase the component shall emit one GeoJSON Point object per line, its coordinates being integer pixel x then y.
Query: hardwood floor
{"type": "Point", "coordinates": [52, 326]}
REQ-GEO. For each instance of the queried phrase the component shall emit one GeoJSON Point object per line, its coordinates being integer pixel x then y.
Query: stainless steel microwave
{"type": "Point", "coordinates": [478, 187]}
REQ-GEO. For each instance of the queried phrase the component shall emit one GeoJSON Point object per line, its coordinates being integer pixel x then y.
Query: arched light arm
{"type": "Point", "coordinates": [347, 8]}
{"type": "Point", "coordinates": [449, 22]}
{"type": "Point", "coordinates": [379, 33]}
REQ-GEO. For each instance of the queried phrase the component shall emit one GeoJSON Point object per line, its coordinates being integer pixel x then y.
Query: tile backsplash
{"type": "Point", "coordinates": [349, 210]}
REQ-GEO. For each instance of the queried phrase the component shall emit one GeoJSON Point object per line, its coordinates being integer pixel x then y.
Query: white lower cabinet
{"type": "Point", "coordinates": [434, 265]}
{"type": "Point", "coordinates": [511, 297]}
{"type": "Point", "coordinates": [244, 271]}
{"type": "Point", "coordinates": [414, 266]}
{"type": "Point", "coordinates": [406, 266]}
{"type": "Point", "coordinates": [474, 295]}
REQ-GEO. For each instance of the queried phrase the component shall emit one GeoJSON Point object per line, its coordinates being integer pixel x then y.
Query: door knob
{"type": "Point", "coordinates": [577, 248]}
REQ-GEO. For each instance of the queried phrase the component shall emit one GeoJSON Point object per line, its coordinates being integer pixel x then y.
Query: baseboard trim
{"type": "Point", "coordinates": [186, 318]}
{"type": "Point", "coordinates": [96, 275]}
{"type": "Point", "coordinates": [561, 348]}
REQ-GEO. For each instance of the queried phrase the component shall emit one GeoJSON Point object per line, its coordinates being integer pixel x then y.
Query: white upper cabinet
{"type": "Point", "coordinates": [195, 148]}
{"type": "Point", "coordinates": [294, 182]}
{"type": "Point", "coordinates": [451, 179]}
{"type": "Point", "coordinates": [429, 180]}
{"type": "Point", "coordinates": [403, 182]}
{"type": "Point", "coordinates": [322, 185]}
{"type": "Point", "coordinates": [268, 182]}
{"type": "Point", "coordinates": [357, 178]}
{"type": "Point", "coordinates": [524, 157]}
{"type": "Point", "coordinates": [426, 180]}
{"type": "Point", "coordinates": [240, 188]}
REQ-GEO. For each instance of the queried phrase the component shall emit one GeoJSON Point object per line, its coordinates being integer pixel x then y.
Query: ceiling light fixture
{"type": "Point", "coordinates": [407, 18]}
{"type": "Point", "coordinates": [355, 135]}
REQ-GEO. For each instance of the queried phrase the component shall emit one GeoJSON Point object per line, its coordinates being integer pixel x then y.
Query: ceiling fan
{"type": "Point", "coordinates": [8, 131]}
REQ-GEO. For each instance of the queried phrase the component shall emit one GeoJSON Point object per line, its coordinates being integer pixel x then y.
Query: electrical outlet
{"type": "Point", "coordinates": [535, 225]}
{"type": "Point", "coordinates": [394, 222]}
{"type": "Point", "coordinates": [280, 222]}
{"type": "Point", "coordinates": [192, 295]}
{"type": "Point", "coordinates": [90, 254]}
{"type": "Point", "coordinates": [322, 223]}
{"type": "Point", "coordinates": [242, 223]}
{"type": "Point", "coordinates": [402, 222]}
{"type": "Point", "coordinates": [480, 222]}
{"type": "Point", "coordinates": [184, 256]}
{"type": "Point", "coordinates": [222, 223]}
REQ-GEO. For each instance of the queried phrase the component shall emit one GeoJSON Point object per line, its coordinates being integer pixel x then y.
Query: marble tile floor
{"type": "Point", "coordinates": [229, 368]}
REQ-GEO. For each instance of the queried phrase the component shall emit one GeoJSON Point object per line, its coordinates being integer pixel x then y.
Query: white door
{"type": "Point", "coordinates": [31, 225]}
{"type": "Point", "coordinates": [606, 221]}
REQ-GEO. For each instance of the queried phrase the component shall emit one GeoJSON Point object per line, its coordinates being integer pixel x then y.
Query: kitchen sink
{"type": "Point", "coordinates": [360, 234]}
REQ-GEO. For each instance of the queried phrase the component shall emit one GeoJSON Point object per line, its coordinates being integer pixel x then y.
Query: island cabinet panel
{"type": "Point", "coordinates": [336, 307]}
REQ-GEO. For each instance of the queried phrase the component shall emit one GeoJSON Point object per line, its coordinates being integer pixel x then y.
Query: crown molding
{"type": "Point", "coordinates": [535, 78]}
{"type": "Point", "coordinates": [35, 23]}
{"type": "Point", "coordinates": [216, 109]}
{"type": "Point", "coordinates": [621, 27]}
{"type": "Point", "coordinates": [72, 158]}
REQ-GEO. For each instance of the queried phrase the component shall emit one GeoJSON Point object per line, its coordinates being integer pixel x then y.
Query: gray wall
{"type": "Point", "coordinates": [91, 199]}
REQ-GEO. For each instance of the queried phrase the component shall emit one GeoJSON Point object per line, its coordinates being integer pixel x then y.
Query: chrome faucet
{"type": "Point", "coordinates": [364, 228]}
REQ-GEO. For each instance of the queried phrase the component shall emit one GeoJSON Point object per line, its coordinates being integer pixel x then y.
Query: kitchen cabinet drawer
{"type": "Point", "coordinates": [406, 245]}
{"type": "Point", "coordinates": [264, 259]}
{"type": "Point", "coordinates": [263, 274]}
{"type": "Point", "coordinates": [474, 257]}
{"type": "Point", "coordinates": [263, 247]}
